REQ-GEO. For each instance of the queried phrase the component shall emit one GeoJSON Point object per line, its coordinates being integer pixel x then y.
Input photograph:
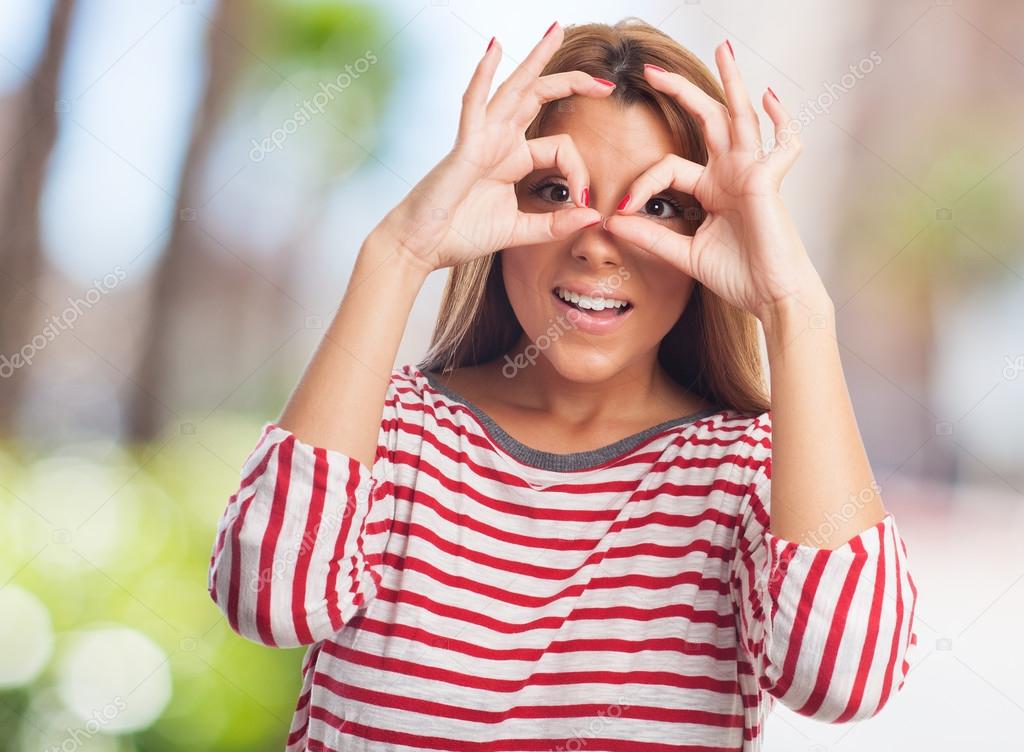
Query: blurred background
{"type": "Point", "coordinates": [184, 186]}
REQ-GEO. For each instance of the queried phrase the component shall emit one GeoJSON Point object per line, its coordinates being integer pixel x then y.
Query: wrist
{"type": "Point", "coordinates": [382, 249]}
{"type": "Point", "coordinates": [811, 308]}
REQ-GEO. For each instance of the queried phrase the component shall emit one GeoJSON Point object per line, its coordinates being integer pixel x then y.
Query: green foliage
{"type": "Point", "coordinates": [328, 66]}
{"type": "Point", "coordinates": [142, 524]}
{"type": "Point", "coordinates": [310, 32]}
{"type": "Point", "coordinates": [959, 216]}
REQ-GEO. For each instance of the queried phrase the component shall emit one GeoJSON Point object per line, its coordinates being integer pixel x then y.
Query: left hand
{"type": "Point", "coordinates": [747, 249]}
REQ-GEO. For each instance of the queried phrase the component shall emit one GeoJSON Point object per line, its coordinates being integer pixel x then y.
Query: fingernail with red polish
{"type": "Point", "coordinates": [490, 44]}
{"type": "Point", "coordinates": [729, 45]}
{"type": "Point", "coordinates": [585, 196]}
{"type": "Point", "coordinates": [604, 81]}
{"type": "Point", "coordinates": [655, 67]}
{"type": "Point", "coordinates": [773, 94]}
{"type": "Point", "coordinates": [622, 204]}
{"type": "Point", "coordinates": [552, 26]}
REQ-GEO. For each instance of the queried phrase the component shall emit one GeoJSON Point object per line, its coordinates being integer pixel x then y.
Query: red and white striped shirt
{"type": "Point", "coordinates": [468, 592]}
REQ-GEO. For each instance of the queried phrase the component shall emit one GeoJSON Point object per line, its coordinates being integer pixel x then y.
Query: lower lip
{"type": "Point", "coordinates": [589, 323]}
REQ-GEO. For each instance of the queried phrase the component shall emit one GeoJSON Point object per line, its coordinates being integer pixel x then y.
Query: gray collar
{"type": "Point", "coordinates": [572, 460]}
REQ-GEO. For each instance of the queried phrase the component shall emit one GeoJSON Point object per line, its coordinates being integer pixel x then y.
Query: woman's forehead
{"type": "Point", "coordinates": [610, 135]}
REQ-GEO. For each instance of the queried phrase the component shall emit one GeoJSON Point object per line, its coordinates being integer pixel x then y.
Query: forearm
{"type": "Point", "coordinates": [823, 489]}
{"type": "Point", "coordinates": [339, 400]}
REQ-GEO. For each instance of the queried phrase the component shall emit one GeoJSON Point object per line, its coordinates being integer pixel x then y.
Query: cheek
{"type": "Point", "coordinates": [666, 296]}
{"type": "Point", "coordinates": [521, 270]}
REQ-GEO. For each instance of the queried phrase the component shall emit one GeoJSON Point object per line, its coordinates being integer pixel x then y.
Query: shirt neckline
{"type": "Point", "coordinates": [587, 459]}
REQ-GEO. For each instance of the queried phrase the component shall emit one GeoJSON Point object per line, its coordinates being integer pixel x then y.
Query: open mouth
{"type": "Point", "coordinates": [601, 307]}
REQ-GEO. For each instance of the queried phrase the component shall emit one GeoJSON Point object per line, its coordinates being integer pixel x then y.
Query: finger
{"type": "Point", "coordinates": [654, 238]}
{"type": "Point", "coordinates": [671, 171]}
{"type": "Point", "coordinates": [474, 100]}
{"type": "Point", "coordinates": [746, 128]}
{"type": "Point", "coordinates": [544, 227]}
{"type": "Point", "coordinates": [711, 114]}
{"type": "Point", "coordinates": [510, 92]}
{"type": "Point", "coordinates": [560, 151]}
{"type": "Point", "coordinates": [787, 142]}
{"type": "Point", "coordinates": [558, 86]}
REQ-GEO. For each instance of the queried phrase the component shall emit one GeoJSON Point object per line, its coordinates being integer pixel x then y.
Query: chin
{"type": "Point", "coordinates": [585, 363]}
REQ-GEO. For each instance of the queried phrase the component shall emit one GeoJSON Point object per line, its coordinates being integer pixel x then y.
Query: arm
{"type": "Point", "coordinates": [822, 473]}
{"type": "Point", "coordinates": [827, 631]}
{"type": "Point", "coordinates": [348, 375]}
{"type": "Point", "coordinates": [824, 594]}
{"type": "Point", "coordinates": [297, 547]}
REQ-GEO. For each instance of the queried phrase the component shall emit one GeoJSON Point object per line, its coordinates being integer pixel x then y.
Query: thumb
{"type": "Point", "coordinates": [547, 226]}
{"type": "Point", "coordinates": [656, 239]}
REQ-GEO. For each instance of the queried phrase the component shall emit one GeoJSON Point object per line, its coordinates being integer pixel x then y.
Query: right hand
{"type": "Point", "coordinates": [466, 206]}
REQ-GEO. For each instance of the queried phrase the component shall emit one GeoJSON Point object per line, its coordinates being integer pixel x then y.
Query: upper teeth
{"type": "Point", "coordinates": [585, 301]}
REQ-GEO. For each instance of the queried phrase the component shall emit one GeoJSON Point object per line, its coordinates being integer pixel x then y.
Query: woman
{"type": "Point", "coordinates": [554, 532]}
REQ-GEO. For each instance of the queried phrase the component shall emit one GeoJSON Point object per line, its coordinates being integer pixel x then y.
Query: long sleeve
{"type": "Point", "coordinates": [828, 632]}
{"type": "Point", "coordinates": [297, 549]}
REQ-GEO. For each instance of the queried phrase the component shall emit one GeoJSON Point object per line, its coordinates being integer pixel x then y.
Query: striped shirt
{"type": "Point", "coordinates": [468, 592]}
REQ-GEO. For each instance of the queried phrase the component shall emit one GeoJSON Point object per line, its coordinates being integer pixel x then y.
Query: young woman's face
{"type": "Point", "coordinates": [616, 144]}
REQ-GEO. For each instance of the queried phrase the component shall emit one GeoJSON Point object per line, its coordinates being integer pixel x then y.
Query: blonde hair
{"type": "Point", "coordinates": [713, 349]}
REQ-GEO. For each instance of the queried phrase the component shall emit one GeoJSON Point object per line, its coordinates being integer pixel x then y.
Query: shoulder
{"type": "Point", "coordinates": [409, 384]}
{"type": "Point", "coordinates": [408, 394]}
{"type": "Point", "coordinates": [459, 389]}
{"type": "Point", "coordinates": [758, 431]}
{"type": "Point", "coordinates": [405, 382]}
{"type": "Point", "coordinates": [741, 429]}
{"type": "Point", "coordinates": [745, 440]}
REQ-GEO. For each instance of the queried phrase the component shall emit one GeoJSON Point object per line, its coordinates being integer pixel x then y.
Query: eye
{"type": "Point", "coordinates": [658, 204]}
{"type": "Point", "coordinates": [558, 196]}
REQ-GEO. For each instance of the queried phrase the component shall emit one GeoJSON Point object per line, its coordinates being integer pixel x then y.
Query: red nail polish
{"type": "Point", "coordinates": [656, 67]}
{"type": "Point", "coordinates": [729, 45]}
{"type": "Point", "coordinates": [490, 44]}
{"type": "Point", "coordinates": [622, 204]}
{"type": "Point", "coordinates": [585, 196]}
{"type": "Point", "coordinates": [604, 81]}
{"type": "Point", "coordinates": [552, 26]}
{"type": "Point", "coordinates": [595, 222]}
{"type": "Point", "coordinates": [773, 94]}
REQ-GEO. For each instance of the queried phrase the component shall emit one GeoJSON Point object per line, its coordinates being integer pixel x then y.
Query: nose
{"type": "Point", "coordinates": [596, 247]}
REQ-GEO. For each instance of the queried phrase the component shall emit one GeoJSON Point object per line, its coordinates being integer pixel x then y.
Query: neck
{"type": "Point", "coordinates": [629, 391]}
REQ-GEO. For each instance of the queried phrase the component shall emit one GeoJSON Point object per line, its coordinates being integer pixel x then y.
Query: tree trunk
{"type": "Point", "coordinates": [182, 260]}
{"type": "Point", "coordinates": [21, 261]}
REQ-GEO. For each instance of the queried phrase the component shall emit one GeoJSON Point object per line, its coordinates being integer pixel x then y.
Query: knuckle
{"type": "Point", "coordinates": [506, 89]}
{"type": "Point", "coordinates": [566, 146]}
{"type": "Point", "coordinates": [581, 80]}
{"type": "Point", "coordinates": [705, 116]}
{"type": "Point", "coordinates": [672, 161]}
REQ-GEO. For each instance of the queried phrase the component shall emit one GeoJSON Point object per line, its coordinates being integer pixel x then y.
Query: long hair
{"type": "Point", "coordinates": [713, 349]}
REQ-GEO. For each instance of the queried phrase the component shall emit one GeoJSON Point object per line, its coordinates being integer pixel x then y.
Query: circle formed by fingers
{"type": "Point", "coordinates": [671, 171]}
